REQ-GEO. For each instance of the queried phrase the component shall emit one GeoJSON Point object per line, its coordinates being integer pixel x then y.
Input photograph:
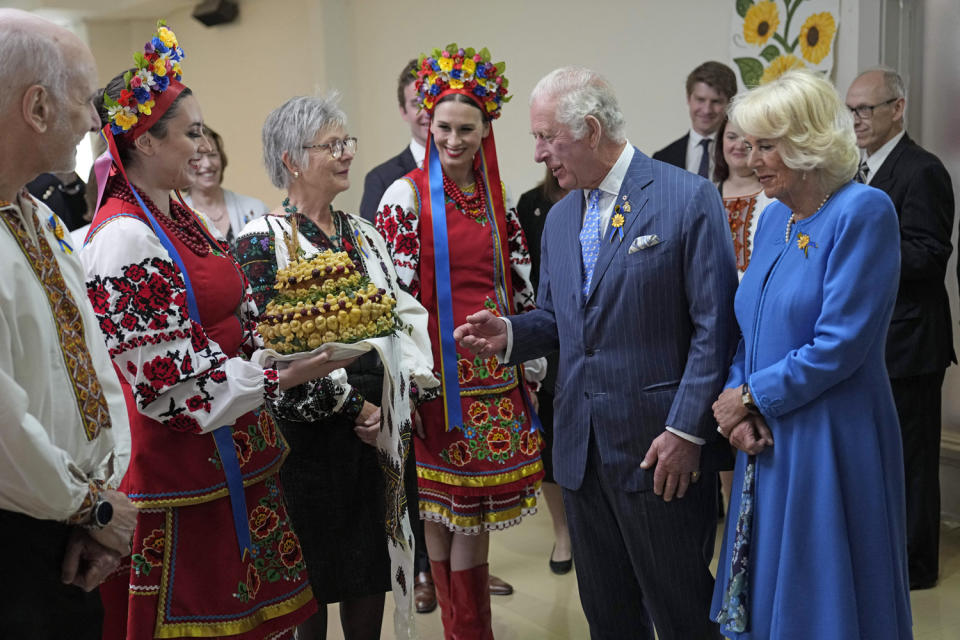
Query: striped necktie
{"type": "Point", "coordinates": [590, 238]}
{"type": "Point", "coordinates": [863, 174]}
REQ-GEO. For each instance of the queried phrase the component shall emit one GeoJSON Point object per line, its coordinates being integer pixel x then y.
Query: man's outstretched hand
{"type": "Point", "coordinates": [483, 333]}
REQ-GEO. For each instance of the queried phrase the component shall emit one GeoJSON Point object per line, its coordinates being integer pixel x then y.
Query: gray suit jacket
{"type": "Point", "coordinates": [650, 345]}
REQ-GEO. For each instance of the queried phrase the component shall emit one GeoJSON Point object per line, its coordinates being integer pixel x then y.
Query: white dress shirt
{"type": "Point", "coordinates": [419, 152]}
{"type": "Point", "coordinates": [876, 160]}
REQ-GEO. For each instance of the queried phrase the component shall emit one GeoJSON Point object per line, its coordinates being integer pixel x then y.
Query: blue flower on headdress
{"type": "Point", "coordinates": [434, 89]}
{"type": "Point", "coordinates": [456, 73]}
{"type": "Point", "coordinates": [479, 91]}
{"type": "Point", "coordinates": [116, 130]}
{"type": "Point", "coordinates": [148, 48]}
{"type": "Point", "coordinates": [480, 72]}
{"type": "Point", "coordinates": [158, 45]}
{"type": "Point", "coordinates": [162, 82]}
{"type": "Point", "coordinates": [142, 94]}
{"type": "Point", "coordinates": [176, 54]}
{"type": "Point", "coordinates": [435, 65]}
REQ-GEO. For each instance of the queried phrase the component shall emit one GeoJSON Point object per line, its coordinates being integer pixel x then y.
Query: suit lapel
{"type": "Point", "coordinates": [632, 191]}
{"type": "Point", "coordinates": [886, 171]}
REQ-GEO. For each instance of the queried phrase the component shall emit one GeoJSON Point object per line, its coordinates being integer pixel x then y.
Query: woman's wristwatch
{"type": "Point", "coordinates": [101, 514]}
{"type": "Point", "coordinates": [747, 399]}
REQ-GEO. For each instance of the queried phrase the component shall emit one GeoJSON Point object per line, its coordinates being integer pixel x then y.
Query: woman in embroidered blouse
{"type": "Point", "coordinates": [742, 195]}
{"type": "Point", "coordinates": [213, 552]}
{"type": "Point", "coordinates": [815, 544]}
{"type": "Point", "coordinates": [478, 459]}
{"type": "Point", "coordinates": [334, 480]}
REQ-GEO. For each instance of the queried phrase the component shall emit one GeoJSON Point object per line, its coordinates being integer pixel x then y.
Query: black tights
{"type": "Point", "coordinates": [361, 619]}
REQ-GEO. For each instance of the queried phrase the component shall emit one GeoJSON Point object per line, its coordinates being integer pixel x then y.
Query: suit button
{"type": "Point", "coordinates": [589, 353]}
{"type": "Point", "coordinates": [586, 394]}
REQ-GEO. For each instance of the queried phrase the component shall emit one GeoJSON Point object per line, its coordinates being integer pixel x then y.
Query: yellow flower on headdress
{"type": "Point", "coordinates": [166, 37]}
{"type": "Point", "coordinates": [816, 34]}
{"type": "Point", "coordinates": [492, 106]}
{"type": "Point", "coordinates": [779, 66]}
{"type": "Point", "coordinates": [125, 119]}
{"type": "Point", "coordinates": [760, 22]}
{"type": "Point", "coordinates": [428, 103]}
{"type": "Point", "coordinates": [469, 66]}
{"type": "Point", "coordinates": [456, 83]}
{"type": "Point", "coordinates": [146, 107]}
{"type": "Point", "coordinates": [176, 69]}
{"type": "Point", "coordinates": [446, 64]}
{"type": "Point", "coordinates": [160, 67]}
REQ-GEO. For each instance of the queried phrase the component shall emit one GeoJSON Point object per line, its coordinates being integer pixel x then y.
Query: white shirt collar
{"type": "Point", "coordinates": [418, 151]}
{"type": "Point", "coordinates": [876, 160]}
{"type": "Point", "coordinates": [611, 183]}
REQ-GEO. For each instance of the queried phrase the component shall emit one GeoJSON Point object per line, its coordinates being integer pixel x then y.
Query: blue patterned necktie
{"type": "Point", "coordinates": [704, 170]}
{"type": "Point", "coordinates": [590, 238]}
{"type": "Point", "coordinates": [863, 173]}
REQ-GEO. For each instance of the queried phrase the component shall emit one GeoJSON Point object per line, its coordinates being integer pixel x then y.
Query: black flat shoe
{"type": "Point", "coordinates": [560, 567]}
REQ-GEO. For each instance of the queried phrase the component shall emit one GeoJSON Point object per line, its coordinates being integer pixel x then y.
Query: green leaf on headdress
{"type": "Point", "coordinates": [108, 102]}
{"type": "Point", "coordinates": [452, 48]}
{"type": "Point", "coordinates": [504, 82]}
{"type": "Point", "coordinates": [469, 52]}
{"type": "Point", "coordinates": [506, 99]}
{"type": "Point", "coordinates": [140, 61]}
{"type": "Point", "coordinates": [485, 54]}
{"type": "Point", "coordinates": [161, 23]}
{"type": "Point", "coordinates": [500, 67]}
{"type": "Point", "coordinates": [435, 54]}
{"type": "Point", "coordinates": [126, 78]}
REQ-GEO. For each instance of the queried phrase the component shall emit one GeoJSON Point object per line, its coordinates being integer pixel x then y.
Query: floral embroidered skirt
{"type": "Point", "coordinates": [186, 577]}
{"type": "Point", "coordinates": [484, 476]}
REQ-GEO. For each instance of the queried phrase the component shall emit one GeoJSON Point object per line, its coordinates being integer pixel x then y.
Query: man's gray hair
{"type": "Point", "coordinates": [581, 92]}
{"type": "Point", "coordinates": [891, 80]}
{"type": "Point", "coordinates": [294, 124]}
{"type": "Point", "coordinates": [29, 57]}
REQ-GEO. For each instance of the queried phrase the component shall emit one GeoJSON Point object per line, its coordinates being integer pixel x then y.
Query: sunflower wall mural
{"type": "Point", "coordinates": [771, 37]}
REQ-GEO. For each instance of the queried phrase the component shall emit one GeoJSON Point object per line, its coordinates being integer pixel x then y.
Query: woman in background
{"type": "Point", "coordinates": [227, 210]}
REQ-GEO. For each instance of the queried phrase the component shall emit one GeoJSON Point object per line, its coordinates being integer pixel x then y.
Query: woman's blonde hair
{"type": "Point", "coordinates": [811, 125]}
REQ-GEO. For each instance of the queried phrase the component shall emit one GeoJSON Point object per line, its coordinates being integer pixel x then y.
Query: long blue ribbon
{"type": "Point", "coordinates": [448, 346]}
{"type": "Point", "coordinates": [223, 436]}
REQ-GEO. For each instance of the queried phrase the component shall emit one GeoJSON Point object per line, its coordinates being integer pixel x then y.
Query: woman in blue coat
{"type": "Point", "coordinates": [815, 544]}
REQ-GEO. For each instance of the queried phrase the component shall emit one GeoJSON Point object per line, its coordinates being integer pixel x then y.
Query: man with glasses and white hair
{"type": "Point", "coordinates": [637, 278]}
{"type": "Point", "coordinates": [65, 436]}
{"type": "Point", "coordinates": [920, 339]}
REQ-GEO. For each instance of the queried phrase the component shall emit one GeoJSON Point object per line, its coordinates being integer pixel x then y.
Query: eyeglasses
{"type": "Point", "coordinates": [337, 147]}
{"type": "Point", "coordinates": [865, 111]}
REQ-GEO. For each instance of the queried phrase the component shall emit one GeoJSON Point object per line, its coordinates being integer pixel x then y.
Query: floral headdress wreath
{"type": "Point", "coordinates": [470, 73]}
{"type": "Point", "coordinates": [465, 71]}
{"type": "Point", "coordinates": [151, 89]}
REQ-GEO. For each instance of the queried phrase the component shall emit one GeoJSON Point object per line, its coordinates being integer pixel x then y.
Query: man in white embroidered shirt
{"type": "Point", "coordinates": [65, 437]}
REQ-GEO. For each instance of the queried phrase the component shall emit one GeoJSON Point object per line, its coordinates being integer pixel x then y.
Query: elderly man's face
{"type": "Point", "coordinates": [572, 162]}
{"type": "Point", "coordinates": [883, 121]}
{"type": "Point", "coordinates": [75, 114]}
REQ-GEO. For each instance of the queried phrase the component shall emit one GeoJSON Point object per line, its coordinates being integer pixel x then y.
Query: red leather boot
{"type": "Point", "coordinates": [441, 580]}
{"type": "Point", "coordinates": [471, 597]}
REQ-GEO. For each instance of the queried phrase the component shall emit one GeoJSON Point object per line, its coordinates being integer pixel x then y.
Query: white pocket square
{"type": "Point", "coordinates": [643, 242]}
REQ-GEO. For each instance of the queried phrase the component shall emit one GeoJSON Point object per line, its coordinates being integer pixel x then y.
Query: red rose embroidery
{"type": "Point", "coordinates": [459, 453]}
{"type": "Point", "coordinates": [135, 272]}
{"type": "Point", "coordinates": [498, 439]}
{"type": "Point", "coordinates": [218, 376]}
{"type": "Point", "coordinates": [478, 413]}
{"type": "Point", "coordinates": [196, 403]}
{"type": "Point", "coordinates": [183, 422]}
{"type": "Point", "coordinates": [407, 244]}
{"type": "Point", "coordinates": [198, 339]}
{"type": "Point", "coordinates": [263, 520]}
{"type": "Point", "coordinates": [186, 367]}
{"type": "Point", "coordinates": [129, 321]}
{"type": "Point", "coordinates": [157, 291]}
{"type": "Point", "coordinates": [146, 393]}
{"type": "Point", "coordinates": [289, 549]}
{"type": "Point", "coordinates": [505, 408]}
{"type": "Point", "coordinates": [152, 550]}
{"type": "Point", "coordinates": [158, 322]}
{"type": "Point", "coordinates": [241, 443]}
{"type": "Point", "coordinates": [161, 372]}
{"type": "Point", "coordinates": [387, 224]}
{"type": "Point", "coordinates": [529, 442]}
{"type": "Point", "coordinates": [107, 326]}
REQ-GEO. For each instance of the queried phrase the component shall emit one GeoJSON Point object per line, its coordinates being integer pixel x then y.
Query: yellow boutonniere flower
{"type": "Point", "coordinates": [617, 221]}
{"type": "Point", "coordinates": [803, 243]}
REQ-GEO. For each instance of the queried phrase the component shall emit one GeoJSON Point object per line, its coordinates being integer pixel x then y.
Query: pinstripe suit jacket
{"type": "Point", "coordinates": [650, 345]}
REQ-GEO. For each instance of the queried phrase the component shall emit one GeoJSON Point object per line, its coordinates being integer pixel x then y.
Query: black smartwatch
{"type": "Point", "coordinates": [101, 514]}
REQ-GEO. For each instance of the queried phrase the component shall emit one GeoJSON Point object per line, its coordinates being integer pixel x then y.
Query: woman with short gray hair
{"type": "Point", "coordinates": [336, 491]}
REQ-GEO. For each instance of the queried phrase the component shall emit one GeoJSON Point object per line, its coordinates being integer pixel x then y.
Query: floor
{"type": "Point", "coordinates": [547, 607]}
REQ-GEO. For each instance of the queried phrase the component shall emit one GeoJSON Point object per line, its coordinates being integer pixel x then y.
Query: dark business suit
{"type": "Point", "coordinates": [674, 153]}
{"type": "Point", "coordinates": [648, 348]}
{"type": "Point", "coordinates": [920, 339]}
{"type": "Point", "coordinates": [382, 176]}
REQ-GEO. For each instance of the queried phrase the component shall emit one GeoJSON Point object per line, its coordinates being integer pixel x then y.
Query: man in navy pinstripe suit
{"type": "Point", "coordinates": [636, 290]}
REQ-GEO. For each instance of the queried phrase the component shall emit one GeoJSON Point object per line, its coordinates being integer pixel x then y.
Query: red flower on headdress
{"type": "Point", "coordinates": [126, 98]}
